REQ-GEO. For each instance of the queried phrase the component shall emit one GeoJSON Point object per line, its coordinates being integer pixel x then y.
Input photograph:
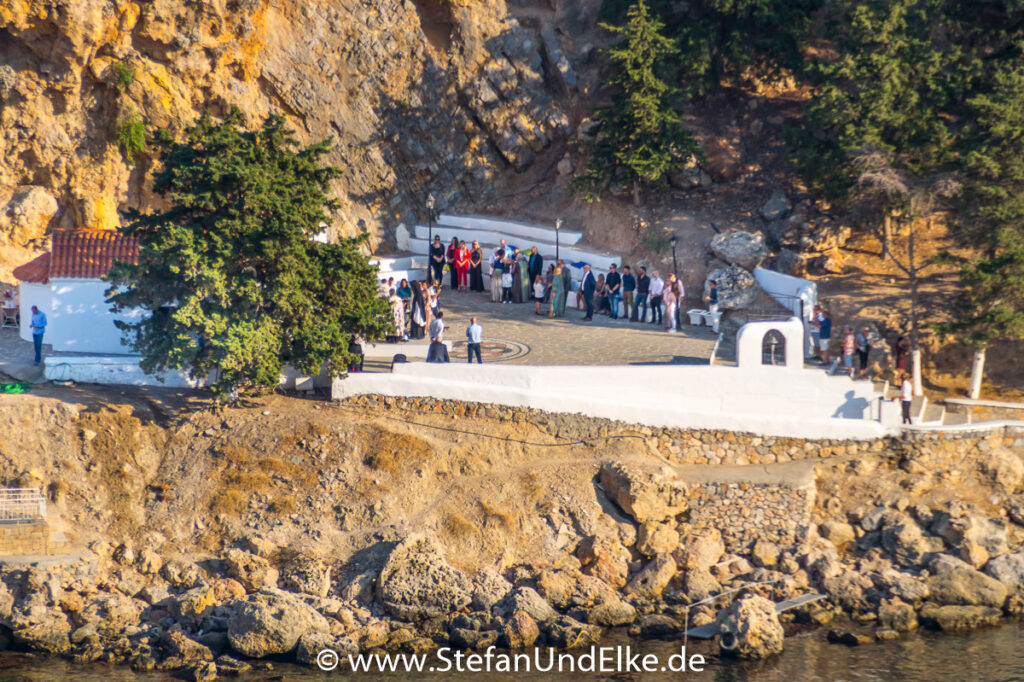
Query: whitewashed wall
{"type": "Point", "coordinates": [80, 318]}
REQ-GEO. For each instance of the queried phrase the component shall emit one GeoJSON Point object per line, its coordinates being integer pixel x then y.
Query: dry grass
{"type": "Point", "coordinates": [458, 527]}
{"type": "Point", "coordinates": [229, 502]}
{"type": "Point", "coordinates": [388, 451]}
{"type": "Point", "coordinates": [294, 472]}
{"type": "Point", "coordinates": [503, 517]}
{"type": "Point", "coordinates": [283, 505]}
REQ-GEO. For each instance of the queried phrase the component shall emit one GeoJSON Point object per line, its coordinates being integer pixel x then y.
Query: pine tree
{"type": "Point", "coordinates": [638, 139]}
{"type": "Point", "coordinates": [233, 284]}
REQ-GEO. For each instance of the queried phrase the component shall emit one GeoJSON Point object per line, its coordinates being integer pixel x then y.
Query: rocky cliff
{"type": "Point", "coordinates": [417, 95]}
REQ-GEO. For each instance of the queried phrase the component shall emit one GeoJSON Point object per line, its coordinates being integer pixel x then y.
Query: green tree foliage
{"type": "Point", "coordinates": [122, 75]}
{"type": "Point", "coordinates": [233, 282]}
{"type": "Point", "coordinates": [638, 139]}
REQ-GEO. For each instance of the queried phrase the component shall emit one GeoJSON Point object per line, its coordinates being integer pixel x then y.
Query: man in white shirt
{"type": "Point", "coordinates": [657, 288]}
{"type": "Point", "coordinates": [437, 326]}
{"type": "Point", "coordinates": [906, 397]}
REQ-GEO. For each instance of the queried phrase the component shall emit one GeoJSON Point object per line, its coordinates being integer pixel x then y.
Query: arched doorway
{"type": "Point", "coordinates": [773, 348]}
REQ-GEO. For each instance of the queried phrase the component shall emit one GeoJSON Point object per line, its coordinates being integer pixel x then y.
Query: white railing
{"type": "Point", "coordinates": [22, 505]}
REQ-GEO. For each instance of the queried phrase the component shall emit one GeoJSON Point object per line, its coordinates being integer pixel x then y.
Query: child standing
{"type": "Point", "coordinates": [506, 286]}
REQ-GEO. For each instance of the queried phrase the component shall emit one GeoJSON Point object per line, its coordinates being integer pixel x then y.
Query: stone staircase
{"type": "Point", "coordinates": [489, 232]}
{"type": "Point", "coordinates": [922, 412]}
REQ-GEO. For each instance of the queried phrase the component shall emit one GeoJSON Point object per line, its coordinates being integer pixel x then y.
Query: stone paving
{"type": "Point", "coordinates": [534, 340]}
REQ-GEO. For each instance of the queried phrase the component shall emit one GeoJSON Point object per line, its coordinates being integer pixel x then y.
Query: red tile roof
{"type": "Point", "coordinates": [80, 254]}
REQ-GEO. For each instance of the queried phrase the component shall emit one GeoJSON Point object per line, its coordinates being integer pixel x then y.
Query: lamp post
{"type": "Point", "coordinates": [431, 204]}
{"type": "Point", "coordinates": [558, 226]}
{"type": "Point", "coordinates": [675, 266]}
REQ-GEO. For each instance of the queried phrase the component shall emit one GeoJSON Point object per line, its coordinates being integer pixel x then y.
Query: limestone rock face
{"type": "Point", "coordinates": [254, 572]}
{"type": "Point", "coordinates": [751, 629]}
{"type": "Point", "coordinates": [411, 101]}
{"type": "Point", "coordinates": [26, 216]}
{"type": "Point", "coordinates": [736, 247]}
{"type": "Point", "coordinates": [645, 493]}
{"type": "Point", "coordinates": [308, 575]}
{"type": "Point", "coordinates": [737, 288]}
{"type": "Point", "coordinates": [417, 582]}
{"type": "Point", "coordinates": [604, 558]}
{"type": "Point", "coordinates": [271, 622]}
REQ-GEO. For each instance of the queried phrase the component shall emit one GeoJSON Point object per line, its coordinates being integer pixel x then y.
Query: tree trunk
{"type": "Point", "coordinates": [977, 370]}
{"type": "Point", "coordinates": [915, 371]}
{"type": "Point", "coordinates": [886, 234]}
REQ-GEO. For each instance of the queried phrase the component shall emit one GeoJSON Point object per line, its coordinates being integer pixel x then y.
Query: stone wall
{"type": "Point", "coordinates": [21, 539]}
{"type": "Point", "coordinates": [745, 513]}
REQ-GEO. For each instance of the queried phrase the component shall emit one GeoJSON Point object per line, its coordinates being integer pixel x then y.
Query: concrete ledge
{"type": "Point", "coordinates": [411, 349]}
{"type": "Point", "coordinates": [984, 403]}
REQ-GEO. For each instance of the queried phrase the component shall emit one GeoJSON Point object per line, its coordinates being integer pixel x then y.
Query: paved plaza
{"type": "Point", "coordinates": [513, 333]}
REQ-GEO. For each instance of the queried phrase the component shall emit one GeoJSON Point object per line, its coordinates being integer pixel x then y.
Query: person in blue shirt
{"type": "Point", "coordinates": [825, 334]}
{"type": "Point", "coordinates": [474, 334]}
{"type": "Point", "coordinates": [38, 327]}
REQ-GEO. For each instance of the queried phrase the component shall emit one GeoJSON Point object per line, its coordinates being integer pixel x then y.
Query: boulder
{"type": "Point", "coordinates": [111, 613]}
{"type": "Point", "coordinates": [252, 571]}
{"type": "Point", "coordinates": [568, 633]}
{"type": "Point", "coordinates": [903, 585]}
{"type": "Point", "coordinates": [958, 525]}
{"type": "Point", "coordinates": [520, 630]}
{"type": "Point", "coordinates": [736, 247]}
{"type": "Point", "coordinates": [42, 629]}
{"type": "Point", "coordinates": [1003, 468]}
{"type": "Point", "coordinates": [847, 589]}
{"type": "Point", "coordinates": [723, 157]}
{"type": "Point", "coordinates": [271, 622]}
{"type": "Point", "coordinates": [647, 493]}
{"type": "Point", "coordinates": [838, 533]}
{"type": "Point", "coordinates": [417, 582]}
{"type": "Point", "coordinates": [789, 262]}
{"type": "Point", "coordinates": [699, 584]}
{"type": "Point", "coordinates": [689, 176]}
{"type": "Point", "coordinates": [611, 613]}
{"type": "Point", "coordinates": [956, 618]}
{"type": "Point", "coordinates": [750, 628]}
{"type": "Point", "coordinates": [190, 607]}
{"type": "Point", "coordinates": [604, 558]}
{"type": "Point", "coordinates": [1007, 569]}
{"type": "Point", "coordinates": [149, 562]}
{"type": "Point", "coordinates": [964, 586]}
{"type": "Point", "coordinates": [897, 615]}
{"type": "Point", "coordinates": [26, 216]}
{"type": "Point", "coordinates": [907, 543]}
{"type": "Point", "coordinates": [652, 580]}
{"type": "Point", "coordinates": [847, 637]}
{"type": "Point", "coordinates": [527, 600]}
{"type": "Point", "coordinates": [179, 646]}
{"type": "Point", "coordinates": [307, 575]}
{"type": "Point", "coordinates": [206, 671]}
{"type": "Point", "coordinates": [764, 554]}
{"type": "Point", "coordinates": [489, 588]}
{"type": "Point", "coordinates": [655, 538]}
{"type": "Point", "coordinates": [776, 207]}
{"type": "Point", "coordinates": [737, 288]}
{"type": "Point", "coordinates": [311, 644]}
{"type": "Point", "coordinates": [656, 625]}
{"type": "Point", "coordinates": [700, 549]}
{"type": "Point", "coordinates": [229, 666]}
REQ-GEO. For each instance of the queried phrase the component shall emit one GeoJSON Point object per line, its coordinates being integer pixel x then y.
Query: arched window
{"type": "Point", "coordinates": [773, 348]}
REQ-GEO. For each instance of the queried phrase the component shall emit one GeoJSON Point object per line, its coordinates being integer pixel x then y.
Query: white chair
{"type": "Point", "coordinates": [696, 316]}
{"type": "Point", "coordinates": [10, 318]}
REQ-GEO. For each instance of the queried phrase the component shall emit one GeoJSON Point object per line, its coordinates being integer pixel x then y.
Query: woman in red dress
{"type": "Point", "coordinates": [462, 266]}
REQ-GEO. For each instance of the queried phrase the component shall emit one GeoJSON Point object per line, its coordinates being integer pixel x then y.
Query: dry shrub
{"type": "Point", "coordinates": [235, 454]}
{"type": "Point", "coordinates": [503, 517]}
{"type": "Point", "coordinates": [388, 451]}
{"type": "Point", "coordinates": [273, 465]}
{"type": "Point", "coordinates": [457, 526]}
{"type": "Point", "coordinates": [283, 506]}
{"type": "Point", "coordinates": [248, 481]}
{"type": "Point", "coordinates": [229, 502]}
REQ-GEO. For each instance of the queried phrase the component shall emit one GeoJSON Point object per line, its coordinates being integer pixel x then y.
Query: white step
{"type": "Point", "coordinates": [411, 275]}
{"type": "Point", "coordinates": [400, 262]}
{"type": "Point", "coordinates": [599, 262]}
{"type": "Point", "coordinates": [520, 231]}
{"type": "Point", "coordinates": [446, 232]}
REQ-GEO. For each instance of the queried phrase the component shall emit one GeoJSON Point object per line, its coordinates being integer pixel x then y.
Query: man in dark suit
{"type": "Point", "coordinates": [535, 265]}
{"type": "Point", "coordinates": [587, 285]}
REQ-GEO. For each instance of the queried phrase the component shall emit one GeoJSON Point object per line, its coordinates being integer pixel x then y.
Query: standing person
{"type": "Point", "coordinates": [497, 268]}
{"type": "Point", "coordinates": [436, 259]}
{"type": "Point", "coordinates": [863, 350]}
{"type": "Point", "coordinates": [657, 289]}
{"type": "Point", "coordinates": [549, 281]}
{"type": "Point", "coordinates": [474, 333]}
{"type": "Point", "coordinates": [437, 352]}
{"type": "Point", "coordinates": [712, 300]}
{"type": "Point", "coordinates": [525, 280]}
{"type": "Point", "coordinates": [825, 335]}
{"type": "Point", "coordinates": [906, 396]}
{"type": "Point", "coordinates": [437, 326]}
{"type": "Point", "coordinates": [849, 346]}
{"type": "Point", "coordinates": [476, 268]}
{"type": "Point", "coordinates": [628, 288]}
{"type": "Point", "coordinates": [428, 303]}
{"type": "Point", "coordinates": [643, 289]}
{"type": "Point", "coordinates": [614, 283]}
{"type": "Point", "coordinates": [535, 264]}
{"type": "Point", "coordinates": [601, 296]}
{"type": "Point", "coordinates": [539, 289]}
{"type": "Point", "coordinates": [902, 347]}
{"type": "Point", "coordinates": [507, 282]}
{"type": "Point", "coordinates": [398, 315]}
{"type": "Point", "coordinates": [405, 292]}
{"type": "Point", "coordinates": [38, 327]}
{"type": "Point", "coordinates": [670, 297]}
{"type": "Point", "coordinates": [453, 274]}
{"type": "Point", "coordinates": [566, 287]}
{"type": "Point", "coordinates": [418, 313]}
{"type": "Point", "coordinates": [512, 264]}
{"type": "Point", "coordinates": [462, 266]}
{"type": "Point", "coordinates": [557, 294]}
{"type": "Point", "coordinates": [587, 286]}
{"type": "Point", "coordinates": [816, 331]}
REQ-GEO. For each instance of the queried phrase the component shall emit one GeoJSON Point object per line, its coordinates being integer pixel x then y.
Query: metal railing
{"type": "Point", "coordinates": [22, 505]}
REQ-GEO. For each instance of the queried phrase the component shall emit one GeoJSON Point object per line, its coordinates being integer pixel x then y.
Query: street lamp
{"type": "Point", "coordinates": [673, 240]}
{"type": "Point", "coordinates": [558, 226]}
{"type": "Point", "coordinates": [431, 204]}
